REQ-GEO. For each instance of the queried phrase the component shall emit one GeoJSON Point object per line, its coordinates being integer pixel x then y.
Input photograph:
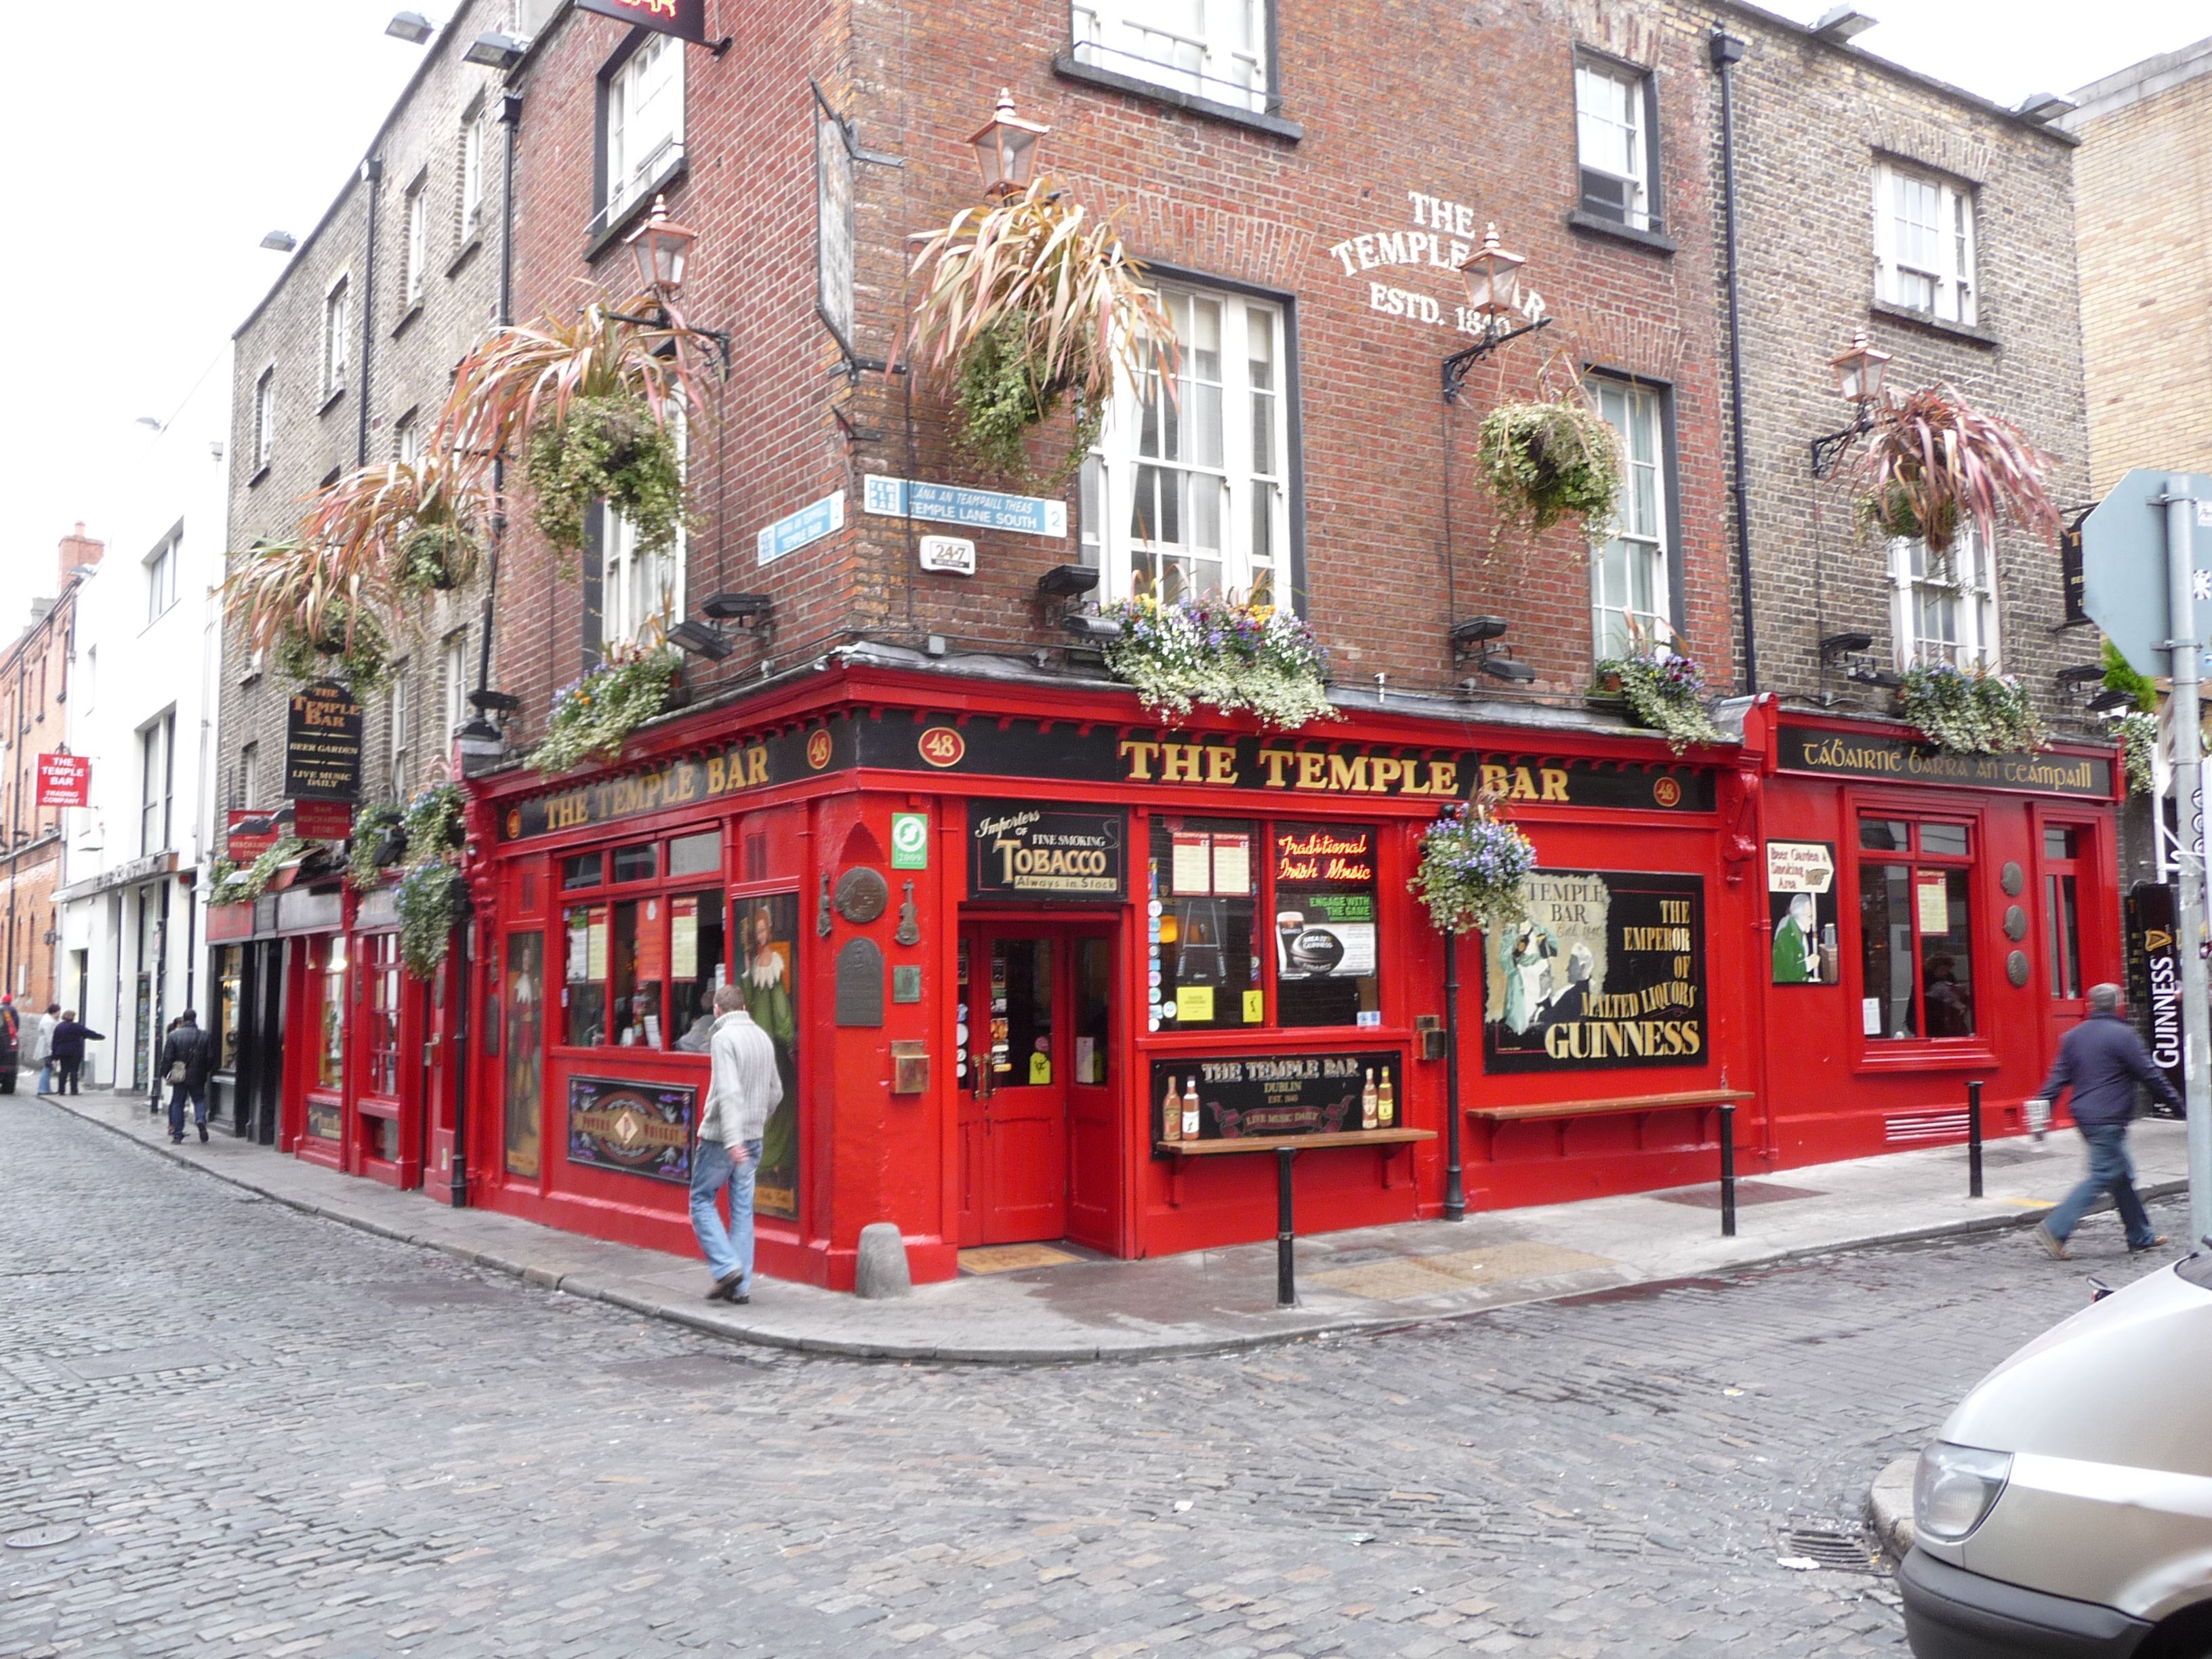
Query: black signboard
{"type": "Point", "coordinates": [638, 1129]}
{"type": "Point", "coordinates": [2154, 974]}
{"type": "Point", "coordinates": [1606, 969]}
{"type": "Point", "coordinates": [1018, 852]}
{"type": "Point", "coordinates": [685, 19]}
{"type": "Point", "coordinates": [1870, 754]}
{"type": "Point", "coordinates": [322, 743]}
{"type": "Point", "coordinates": [1251, 1094]}
{"type": "Point", "coordinates": [746, 767]}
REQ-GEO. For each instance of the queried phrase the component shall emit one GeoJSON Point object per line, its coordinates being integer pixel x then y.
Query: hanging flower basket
{"type": "Point", "coordinates": [1472, 865]}
{"type": "Point", "coordinates": [1666, 694]}
{"type": "Point", "coordinates": [1549, 461]}
{"type": "Point", "coordinates": [1026, 304]}
{"type": "Point", "coordinates": [1971, 711]}
{"type": "Point", "coordinates": [431, 900]}
{"type": "Point", "coordinates": [593, 715]}
{"type": "Point", "coordinates": [1224, 654]}
{"type": "Point", "coordinates": [2138, 744]}
{"type": "Point", "coordinates": [609, 448]}
{"type": "Point", "coordinates": [1934, 464]}
{"type": "Point", "coordinates": [433, 823]}
{"type": "Point", "coordinates": [370, 851]}
{"type": "Point", "coordinates": [349, 643]}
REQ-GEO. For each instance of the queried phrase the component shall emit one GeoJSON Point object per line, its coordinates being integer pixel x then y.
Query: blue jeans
{"type": "Point", "coordinates": [45, 1076]}
{"type": "Point", "coordinates": [2110, 1171]}
{"type": "Point", "coordinates": [729, 1250]}
{"type": "Point", "coordinates": [178, 1091]}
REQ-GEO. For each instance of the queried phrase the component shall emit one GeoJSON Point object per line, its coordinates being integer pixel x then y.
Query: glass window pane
{"type": "Point", "coordinates": [695, 855]}
{"type": "Point", "coordinates": [637, 863]}
{"type": "Point", "coordinates": [697, 955]}
{"type": "Point", "coordinates": [584, 991]}
{"type": "Point", "coordinates": [1886, 835]}
{"type": "Point", "coordinates": [581, 870]}
{"type": "Point", "coordinates": [1948, 839]}
{"type": "Point", "coordinates": [1885, 950]}
{"type": "Point", "coordinates": [639, 972]}
{"type": "Point", "coordinates": [1325, 924]}
{"type": "Point", "coordinates": [1204, 875]}
{"type": "Point", "coordinates": [1094, 993]}
{"type": "Point", "coordinates": [2057, 841]}
{"type": "Point", "coordinates": [330, 1072]}
{"type": "Point", "coordinates": [1021, 1012]}
{"type": "Point", "coordinates": [1947, 961]}
{"type": "Point", "coordinates": [2060, 900]}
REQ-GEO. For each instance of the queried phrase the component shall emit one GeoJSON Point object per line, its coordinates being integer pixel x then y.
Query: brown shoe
{"type": "Point", "coordinates": [725, 1288]}
{"type": "Point", "coordinates": [2053, 1245]}
{"type": "Point", "coordinates": [2156, 1244]}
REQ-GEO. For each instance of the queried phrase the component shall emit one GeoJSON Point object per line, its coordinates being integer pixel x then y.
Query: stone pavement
{"type": "Point", "coordinates": [230, 1428]}
{"type": "Point", "coordinates": [1221, 1301]}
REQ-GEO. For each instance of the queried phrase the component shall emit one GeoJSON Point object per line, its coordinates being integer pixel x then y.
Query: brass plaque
{"type": "Point", "coordinates": [909, 1068]}
{"type": "Point", "coordinates": [862, 894]}
{"type": "Point", "coordinates": [860, 983]}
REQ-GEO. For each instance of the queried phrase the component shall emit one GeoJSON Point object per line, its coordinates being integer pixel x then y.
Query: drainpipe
{"type": "Point", "coordinates": [1727, 50]}
{"type": "Point", "coordinates": [372, 172]}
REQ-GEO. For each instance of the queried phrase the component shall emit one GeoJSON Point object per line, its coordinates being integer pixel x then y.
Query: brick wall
{"type": "Point", "coordinates": [35, 686]}
{"type": "Point", "coordinates": [412, 349]}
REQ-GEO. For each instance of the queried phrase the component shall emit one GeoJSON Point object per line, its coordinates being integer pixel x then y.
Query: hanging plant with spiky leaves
{"type": "Point", "coordinates": [1027, 303]}
{"type": "Point", "coordinates": [1934, 464]}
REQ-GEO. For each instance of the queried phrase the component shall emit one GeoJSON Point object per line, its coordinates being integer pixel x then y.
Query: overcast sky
{"type": "Point", "coordinates": [172, 136]}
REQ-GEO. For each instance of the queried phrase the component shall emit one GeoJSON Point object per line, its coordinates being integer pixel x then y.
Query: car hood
{"type": "Point", "coordinates": [2115, 1383]}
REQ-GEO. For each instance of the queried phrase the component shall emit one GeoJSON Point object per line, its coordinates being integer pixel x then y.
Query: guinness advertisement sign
{"type": "Point", "coordinates": [1606, 969]}
{"type": "Point", "coordinates": [322, 743]}
{"type": "Point", "coordinates": [1018, 852]}
{"type": "Point", "coordinates": [1894, 760]}
{"type": "Point", "coordinates": [2154, 974]}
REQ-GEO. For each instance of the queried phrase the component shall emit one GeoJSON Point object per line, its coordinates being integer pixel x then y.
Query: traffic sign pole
{"type": "Point", "coordinates": [2188, 764]}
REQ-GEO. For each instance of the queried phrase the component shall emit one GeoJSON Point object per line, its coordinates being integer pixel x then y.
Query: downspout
{"type": "Point", "coordinates": [1727, 50]}
{"type": "Point", "coordinates": [372, 172]}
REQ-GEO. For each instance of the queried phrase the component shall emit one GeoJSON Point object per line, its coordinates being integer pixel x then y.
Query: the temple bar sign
{"type": "Point", "coordinates": [685, 19]}
{"type": "Point", "coordinates": [322, 743]}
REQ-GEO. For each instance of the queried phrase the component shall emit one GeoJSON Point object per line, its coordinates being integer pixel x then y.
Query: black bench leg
{"type": "Point", "coordinates": [1286, 1282]}
{"type": "Point", "coordinates": [1727, 1170]}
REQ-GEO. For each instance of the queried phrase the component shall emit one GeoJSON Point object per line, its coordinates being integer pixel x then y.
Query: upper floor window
{"type": "Point", "coordinates": [1212, 49]}
{"type": "Point", "coordinates": [1631, 602]}
{"type": "Point", "coordinates": [1924, 241]}
{"type": "Point", "coordinates": [249, 775]}
{"type": "Point", "coordinates": [335, 329]}
{"type": "Point", "coordinates": [417, 249]}
{"type": "Point", "coordinates": [456, 679]}
{"type": "Point", "coordinates": [403, 729]}
{"type": "Point", "coordinates": [642, 589]}
{"type": "Point", "coordinates": [407, 439]}
{"type": "Point", "coordinates": [1188, 494]}
{"type": "Point", "coordinates": [87, 679]}
{"type": "Point", "coordinates": [1944, 605]}
{"type": "Point", "coordinates": [264, 418]}
{"type": "Point", "coordinates": [161, 579]}
{"type": "Point", "coordinates": [1616, 142]}
{"type": "Point", "coordinates": [642, 132]}
{"type": "Point", "coordinates": [472, 169]}
{"type": "Point", "coordinates": [156, 772]}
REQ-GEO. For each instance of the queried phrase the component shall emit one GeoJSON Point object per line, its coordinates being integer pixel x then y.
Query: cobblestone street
{"type": "Point", "coordinates": [228, 1428]}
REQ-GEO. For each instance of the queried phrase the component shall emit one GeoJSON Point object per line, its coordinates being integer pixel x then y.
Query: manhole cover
{"type": "Point", "coordinates": [1747, 1192]}
{"type": "Point", "coordinates": [1842, 1550]}
{"type": "Point", "coordinates": [41, 1538]}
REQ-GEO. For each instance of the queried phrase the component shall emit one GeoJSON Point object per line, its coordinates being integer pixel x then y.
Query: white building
{"type": "Point", "coordinates": [134, 878]}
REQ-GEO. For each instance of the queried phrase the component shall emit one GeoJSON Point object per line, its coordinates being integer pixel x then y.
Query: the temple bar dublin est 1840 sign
{"type": "Point", "coordinates": [1250, 1095]}
{"type": "Point", "coordinates": [322, 743]}
{"type": "Point", "coordinates": [1018, 852]}
{"type": "Point", "coordinates": [1859, 755]}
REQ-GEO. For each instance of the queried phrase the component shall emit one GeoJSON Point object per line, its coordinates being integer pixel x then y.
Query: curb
{"type": "Point", "coordinates": [587, 1288]}
{"type": "Point", "coordinates": [1889, 1506]}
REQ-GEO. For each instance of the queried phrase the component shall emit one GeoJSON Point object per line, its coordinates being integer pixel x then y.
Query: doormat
{"type": "Point", "coordinates": [1405, 1277]}
{"type": "Point", "coordinates": [1746, 1191]}
{"type": "Point", "coordinates": [1005, 1258]}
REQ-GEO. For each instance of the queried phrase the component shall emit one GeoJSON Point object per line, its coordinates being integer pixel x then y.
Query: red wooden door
{"type": "Point", "coordinates": [2070, 941]}
{"type": "Point", "coordinates": [1095, 1138]}
{"type": "Point", "coordinates": [1014, 1103]}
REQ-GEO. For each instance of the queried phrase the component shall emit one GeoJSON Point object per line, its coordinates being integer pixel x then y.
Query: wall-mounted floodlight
{"type": "Point", "coordinates": [410, 27]}
{"type": "Point", "coordinates": [492, 50]}
{"type": "Point", "coordinates": [1839, 25]}
{"type": "Point", "coordinates": [280, 241]}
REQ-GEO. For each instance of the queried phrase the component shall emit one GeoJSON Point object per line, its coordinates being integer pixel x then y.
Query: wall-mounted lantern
{"type": "Point", "coordinates": [1859, 368]}
{"type": "Point", "coordinates": [1493, 293]}
{"type": "Point", "coordinates": [1006, 148]}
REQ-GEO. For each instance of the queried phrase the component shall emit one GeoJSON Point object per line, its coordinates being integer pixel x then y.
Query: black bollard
{"type": "Point", "coordinates": [1974, 1140]}
{"type": "Point", "coordinates": [1286, 1281]}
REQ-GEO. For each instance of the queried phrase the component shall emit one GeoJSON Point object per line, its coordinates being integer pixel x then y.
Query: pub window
{"type": "Point", "coordinates": [455, 681]}
{"type": "Point", "coordinates": [335, 329]}
{"type": "Point", "coordinates": [229, 977]}
{"type": "Point", "coordinates": [1631, 608]}
{"type": "Point", "coordinates": [415, 251]}
{"type": "Point", "coordinates": [1186, 494]}
{"type": "Point", "coordinates": [330, 978]}
{"type": "Point", "coordinates": [641, 594]}
{"type": "Point", "coordinates": [1325, 924]}
{"type": "Point", "coordinates": [695, 855]}
{"type": "Point", "coordinates": [1212, 49]}
{"type": "Point", "coordinates": [380, 1022]}
{"type": "Point", "coordinates": [635, 863]}
{"type": "Point", "coordinates": [473, 168]}
{"type": "Point", "coordinates": [1924, 242]}
{"type": "Point", "coordinates": [161, 577]}
{"type": "Point", "coordinates": [581, 870]}
{"type": "Point", "coordinates": [1915, 877]}
{"type": "Point", "coordinates": [1616, 142]}
{"type": "Point", "coordinates": [641, 125]}
{"type": "Point", "coordinates": [1205, 882]}
{"type": "Point", "coordinates": [584, 994]}
{"type": "Point", "coordinates": [641, 967]}
{"type": "Point", "coordinates": [264, 418]}
{"type": "Point", "coordinates": [1944, 609]}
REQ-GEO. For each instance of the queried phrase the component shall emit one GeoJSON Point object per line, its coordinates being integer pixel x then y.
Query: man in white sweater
{"type": "Point", "coordinates": [745, 1089]}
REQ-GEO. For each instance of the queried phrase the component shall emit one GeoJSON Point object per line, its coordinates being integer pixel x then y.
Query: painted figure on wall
{"type": "Point", "coordinates": [524, 1015]}
{"type": "Point", "coordinates": [768, 928]}
{"type": "Point", "coordinates": [1796, 957]}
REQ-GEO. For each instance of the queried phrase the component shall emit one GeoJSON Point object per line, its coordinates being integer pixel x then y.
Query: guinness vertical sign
{"type": "Point", "coordinates": [322, 743]}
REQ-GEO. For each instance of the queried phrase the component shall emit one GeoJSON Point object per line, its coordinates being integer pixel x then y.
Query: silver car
{"type": "Point", "coordinates": [2066, 1509]}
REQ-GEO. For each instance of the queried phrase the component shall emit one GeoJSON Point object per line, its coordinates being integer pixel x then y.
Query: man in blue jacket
{"type": "Point", "coordinates": [2102, 1060]}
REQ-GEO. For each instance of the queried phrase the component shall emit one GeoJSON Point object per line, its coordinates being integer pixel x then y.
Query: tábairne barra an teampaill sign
{"type": "Point", "coordinates": [1606, 969]}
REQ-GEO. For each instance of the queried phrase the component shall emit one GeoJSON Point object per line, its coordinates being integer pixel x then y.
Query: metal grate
{"type": "Point", "coordinates": [1844, 1550]}
{"type": "Point", "coordinates": [1925, 1125]}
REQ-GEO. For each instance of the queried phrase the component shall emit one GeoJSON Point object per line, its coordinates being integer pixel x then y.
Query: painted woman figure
{"type": "Point", "coordinates": [766, 983]}
{"type": "Point", "coordinates": [1529, 974]}
{"type": "Point", "coordinates": [1796, 959]}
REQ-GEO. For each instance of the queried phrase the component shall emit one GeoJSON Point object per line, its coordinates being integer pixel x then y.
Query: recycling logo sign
{"type": "Point", "coordinates": [909, 841]}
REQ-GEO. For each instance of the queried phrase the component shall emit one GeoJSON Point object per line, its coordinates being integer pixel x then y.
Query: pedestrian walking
{"type": "Point", "coordinates": [70, 1037]}
{"type": "Point", "coordinates": [40, 1052]}
{"type": "Point", "coordinates": [155, 1101]}
{"type": "Point", "coordinates": [2102, 1060]}
{"type": "Point", "coordinates": [11, 1042]}
{"type": "Point", "coordinates": [188, 1062]}
{"type": "Point", "coordinates": [744, 1088]}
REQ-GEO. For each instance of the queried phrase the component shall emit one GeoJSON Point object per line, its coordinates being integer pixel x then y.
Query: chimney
{"type": "Point", "coordinates": [77, 549]}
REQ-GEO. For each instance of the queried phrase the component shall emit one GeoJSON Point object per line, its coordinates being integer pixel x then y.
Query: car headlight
{"type": "Point", "coordinates": [1955, 1487]}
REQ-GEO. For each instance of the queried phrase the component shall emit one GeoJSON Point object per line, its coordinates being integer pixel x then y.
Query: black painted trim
{"type": "Point", "coordinates": [1967, 333]}
{"type": "Point", "coordinates": [1582, 219]}
{"type": "Point", "coordinates": [1064, 64]}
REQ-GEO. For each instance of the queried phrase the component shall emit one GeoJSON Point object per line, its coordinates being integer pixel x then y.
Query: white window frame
{"type": "Point", "coordinates": [407, 439]}
{"type": "Point", "coordinates": [472, 169]}
{"type": "Point", "coordinates": [1613, 107]}
{"type": "Point", "coordinates": [1217, 50]}
{"type": "Point", "coordinates": [1924, 242]}
{"type": "Point", "coordinates": [162, 580]}
{"type": "Point", "coordinates": [337, 325]}
{"type": "Point", "coordinates": [1251, 469]}
{"type": "Point", "coordinates": [417, 250]}
{"type": "Point", "coordinates": [264, 417]}
{"type": "Point", "coordinates": [157, 743]}
{"type": "Point", "coordinates": [401, 709]}
{"type": "Point", "coordinates": [644, 131]}
{"type": "Point", "coordinates": [456, 680]}
{"type": "Point", "coordinates": [640, 594]}
{"type": "Point", "coordinates": [1964, 579]}
{"type": "Point", "coordinates": [1642, 528]}
{"type": "Point", "coordinates": [249, 775]}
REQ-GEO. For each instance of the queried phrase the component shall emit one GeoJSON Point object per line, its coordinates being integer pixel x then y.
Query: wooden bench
{"type": "Point", "coordinates": [1724, 1101]}
{"type": "Point", "coordinates": [1286, 1148]}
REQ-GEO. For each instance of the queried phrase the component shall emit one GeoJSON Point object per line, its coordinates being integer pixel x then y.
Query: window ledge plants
{"type": "Point", "coordinates": [594, 714]}
{"type": "Point", "coordinates": [1222, 652]}
{"type": "Point", "coordinates": [368, 853]}
{"type": "Point", "coordinates": [243, 885]}
{"type": "Point", "coordinates": [1472, 865]}
{"type": "Point", "coordinates": [1666, 694]}
{"type": "Point", "coordinates": [2138, 746]}
{"type": "Point", "coordinates": [1970, 711]}
{"type": "Point", "coordinates": [431, 897]}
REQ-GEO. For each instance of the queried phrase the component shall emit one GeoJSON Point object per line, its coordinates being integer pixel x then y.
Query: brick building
{"type": "Point", "coordinates": [34, 689]}
{"type": "Point", "coordinates": [2143, 179]}
{"type": "Point", "coordinates": [996, 913]}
